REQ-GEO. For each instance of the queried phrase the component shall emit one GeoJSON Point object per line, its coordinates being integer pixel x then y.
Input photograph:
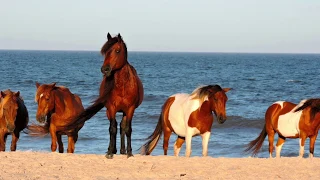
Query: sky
{"type": "Point", "coordinates": [273, 26]}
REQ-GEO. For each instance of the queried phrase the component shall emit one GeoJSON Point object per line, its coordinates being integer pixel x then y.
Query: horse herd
{"type": "Point", "coordinates": [60, 112]}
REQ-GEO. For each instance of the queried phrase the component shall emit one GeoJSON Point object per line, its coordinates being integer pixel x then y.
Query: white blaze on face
{"type": "Point", "coordinates": [288, 124]}
{"type": "Point", "coordinates": [180, 111]}
{"type": "Point", "coordinates": [41, 95]}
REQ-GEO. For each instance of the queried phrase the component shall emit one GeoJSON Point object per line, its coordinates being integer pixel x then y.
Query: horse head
{"type": "Point", "coordinates": [115, 55]}
{"type": "Point", "coordinates": [218, 99]}
{"type": "Point", "coordinates": [9, 108]}
{"type": "Point", "coordinates": [45, 99]}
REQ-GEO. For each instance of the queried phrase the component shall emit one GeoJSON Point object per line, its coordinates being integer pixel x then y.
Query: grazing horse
{"type": "Point", "coordinates": [289, 121]}
{"type": "Point", "coordinates": [188, 115]}
{"type": "Point", "coordinates": [121, 90]}
{"type": "Point", "coordinates": [13, 118]}
{"type": "Point", "coordinates": [56, 107]}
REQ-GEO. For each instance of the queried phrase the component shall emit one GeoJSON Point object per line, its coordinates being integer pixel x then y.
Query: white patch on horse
{"type": "Point", "coordinates": [180, 111]}
{"type": "Point", "coordinates": [288, 124]}
{"type": "Point", "coordinates": [41, 95]}
{"type": "Point", "coordinates": [280, 103]}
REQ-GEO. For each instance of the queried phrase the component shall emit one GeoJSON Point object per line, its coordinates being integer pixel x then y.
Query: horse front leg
{"type": "Point", "coordinates": [123, 133]}
{"type": "Point", "coordinates": [60, 144]}
{"type": "Point", "coordinates": [302, 142]}
{"type": "Point", "coordinates": [312, 142]}
{"type": "Point", "coordinates": [2, 141]}
{"type": "Point", "coordinates": [188, 141]}
{"type": "Point", "coordinates": [53, 134]}
{"type": "Point", "coordinates": [205, 141]}
{"type": "Point", "coordinates": [15, 138]}
{"type": "Point", "coordinates": [128, 130]}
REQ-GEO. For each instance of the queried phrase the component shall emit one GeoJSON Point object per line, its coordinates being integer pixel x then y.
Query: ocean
{"type": "Point", "coordinates": [257, 80]}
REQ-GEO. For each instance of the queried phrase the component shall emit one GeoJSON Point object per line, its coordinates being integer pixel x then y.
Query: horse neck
{"type": "Point", "coordinates": [206, 107]}
{"type": "Point", "coordinates": [59, 103]}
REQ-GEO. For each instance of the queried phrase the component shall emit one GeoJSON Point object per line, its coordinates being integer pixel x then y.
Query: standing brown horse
{"type": "Point", "coordinates": [13, 118]}
{"type": "Point", "coordinates": [56, 107]}
{"type": "Point", "coordinates": [121, 90]}
{"type": "Point", "coordinates": [289, 121]}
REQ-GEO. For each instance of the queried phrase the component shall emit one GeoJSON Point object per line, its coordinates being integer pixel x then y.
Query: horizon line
{"type": "Point", "coordinates": [152, 51]}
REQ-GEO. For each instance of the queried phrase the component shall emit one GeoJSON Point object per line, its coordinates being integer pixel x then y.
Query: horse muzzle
{"type": "Point", "coordinates": [41, 119]}
{"type": "Point", "coordinates": [106, 70]}
{"type": "Point", "coordinates": [221, 119]}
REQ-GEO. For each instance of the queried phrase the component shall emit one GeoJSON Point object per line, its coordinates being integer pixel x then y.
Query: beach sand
{"type": "Point", "coordinates": [47, 165]}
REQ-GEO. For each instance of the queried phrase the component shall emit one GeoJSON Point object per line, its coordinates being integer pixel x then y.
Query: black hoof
{"type": "Point", "coordinates": [123, 152]}
{"type": "Point", "coordinates": [109, 156]}
{"type": "Point", "coordinates": [129, 155]}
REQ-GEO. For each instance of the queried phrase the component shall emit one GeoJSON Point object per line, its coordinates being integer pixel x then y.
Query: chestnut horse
{"type": "Point", "coordinates": [289, 121]}
{"type": "Point", "coordinates": [56, 107]}
{"type": "Point", "coordinates": [13, 118]}
{"type": "Point", "coordinates": [121, 90]}
{"type": "Point", "coordinates": [188, 115]}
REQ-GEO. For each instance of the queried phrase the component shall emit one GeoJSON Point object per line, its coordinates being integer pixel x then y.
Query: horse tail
{"type": "Point", "coordinates": [255, 145]}
{"type": "Point", "coordinates": [153, 139]}
{"type": "Point", "coordinates": [37, 130]}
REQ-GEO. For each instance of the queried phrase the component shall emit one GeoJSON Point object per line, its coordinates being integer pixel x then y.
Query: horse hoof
{"type": "Point", "coordinates": [129, 155]}
{"type": "Point", "coordinates": [109, 156]}
{"type": "Point", "coordinates": [123, 152]}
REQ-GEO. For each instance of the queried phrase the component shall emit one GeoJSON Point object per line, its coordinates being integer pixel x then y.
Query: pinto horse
{"type": "Point", "coordinates": [188, 115]}
{"type": "Point", "coordinates": [56, 107]}
{"type": "Point", "coordinates": [121, 90]}
{"type": "Point", "coordinates": [13, 118]}
{"type": "Point", "coordinates": [289, 121]}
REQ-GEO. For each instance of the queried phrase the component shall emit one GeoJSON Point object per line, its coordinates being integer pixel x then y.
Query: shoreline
{"type": "Point", "coordinates": [47, 165]}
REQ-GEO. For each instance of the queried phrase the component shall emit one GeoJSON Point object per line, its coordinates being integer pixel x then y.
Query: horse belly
{"type": "Point", "coordinates": [288, 124]}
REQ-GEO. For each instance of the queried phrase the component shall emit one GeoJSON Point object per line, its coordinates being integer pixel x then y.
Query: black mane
{"type": "Point", "coordinates": [314, 104]}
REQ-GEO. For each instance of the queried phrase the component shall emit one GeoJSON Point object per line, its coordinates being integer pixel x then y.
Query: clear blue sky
{"type": "Point", "coordinates": [290, 26]}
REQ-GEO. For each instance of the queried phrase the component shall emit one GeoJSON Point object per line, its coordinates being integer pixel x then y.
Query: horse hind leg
{"type": "Point", "coordinates": [177, 145]}
{"type": "Point", "coordinates": [279, 145]}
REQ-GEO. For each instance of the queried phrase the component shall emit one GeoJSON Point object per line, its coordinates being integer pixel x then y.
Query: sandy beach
{"type": "Point", "coordinates": [47, 165]}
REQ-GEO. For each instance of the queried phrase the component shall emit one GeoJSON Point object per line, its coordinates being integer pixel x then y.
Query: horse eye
{"type": "Point", "coordinates": [118, 50]}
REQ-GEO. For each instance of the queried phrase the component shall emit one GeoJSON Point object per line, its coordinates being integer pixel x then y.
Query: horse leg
{"type": "Point", "coordinates": [15, 138]}
{"type": "Point", "coordinates": [3, 138]}
{"type": "Point", "coordinates": [53, 134]}
{"type": "Point", "coordinates": [270, 139]}
{"type": "Point", "coordinates": [60, 144]}
{"type": "Point", "coordinates": [312, 142]}
{"type": "Point", "coordinates": [279, 145]}
{"type": "Point", "coordinates": [177, 145]}
{"type": "Point", "coordinates": [166, 136]}
{"type": "Point", "coordinates": [188, 142]}
{"type": "Point", "coordinates": [205, 140]}
{"type": "Point", "coordinates": [302, 141]}
{"type": "Point", "coordinates": [71, 143]}
{"type": "Point", "coordinates": [128, 130]}
{"type": "Point", "coordinates": [123, 133]}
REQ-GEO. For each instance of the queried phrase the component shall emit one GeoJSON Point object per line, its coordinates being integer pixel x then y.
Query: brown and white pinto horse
{"type": "Point", "coordinates": [121, 90]}
{"type": "Point", "coordinates": [289, 121]}
{"type": "Point", "coordinates": [56, 107]}
{"type": "Point", "coordinates": [13, 118]}
{"type": "Point", "coordinates": [188, 115]}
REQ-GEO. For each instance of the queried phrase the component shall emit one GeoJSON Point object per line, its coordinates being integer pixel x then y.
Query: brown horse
{"type": "Point", "coordinates": [289, 121]}
{"type": "Point", "coordinates": [13, 118]}
{"type": "Point", "coordinates": [56, 107]}
{"type": "Point", "coordinates": [188, 115]}
{"type": "Point", "coordinates": [121, 90]}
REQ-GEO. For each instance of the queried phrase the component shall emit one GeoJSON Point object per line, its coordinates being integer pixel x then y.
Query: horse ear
{"type": "Point", "coordinates": [17, 94]}
{"type": "Point", "coordinates": [109, 36]}
{"type": "Point", "coordinates": [3, 94]}
{"type": "Point", "coordinates": [226, 89]}
{"type": "Point", "coordinates": [53, 84]}
{"type": "Point", "coordinates": [119, 37]}
{"type": "Point", "coordinates": [37, 85]}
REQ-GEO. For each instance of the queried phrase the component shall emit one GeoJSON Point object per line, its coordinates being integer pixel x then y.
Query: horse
{"type": "Point", "coordinates": [56, 107]}
{"type": "Point", "coordinates": [13, 117]}
{"type": "Point", "coordinates": [289, 120]}
{"type": "Point", "coordinates": [121, 90]}
{"type": "Point", "coordinates": [188, 115]}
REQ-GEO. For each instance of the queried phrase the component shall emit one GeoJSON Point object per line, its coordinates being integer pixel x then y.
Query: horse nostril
{"type": "Point", "coordinates": [106, 70]}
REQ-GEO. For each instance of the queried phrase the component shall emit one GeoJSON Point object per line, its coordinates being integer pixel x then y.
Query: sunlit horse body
{"type": "Point", "coordinates": [188, 115]}
{"type": "Point", "coordinates": [289, 121]}
{"type": "Point", "coordinates": [121, 90]}
{"type": "Point", "coordinates": [13, 118]}
{"type": "Point", "coordinates": [56, 107]}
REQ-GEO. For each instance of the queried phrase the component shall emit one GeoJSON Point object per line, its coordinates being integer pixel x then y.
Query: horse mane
{"type": "Point", "coordinates": [204, 92]}
{"type": "Point", "coordinates": [314, 104]}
